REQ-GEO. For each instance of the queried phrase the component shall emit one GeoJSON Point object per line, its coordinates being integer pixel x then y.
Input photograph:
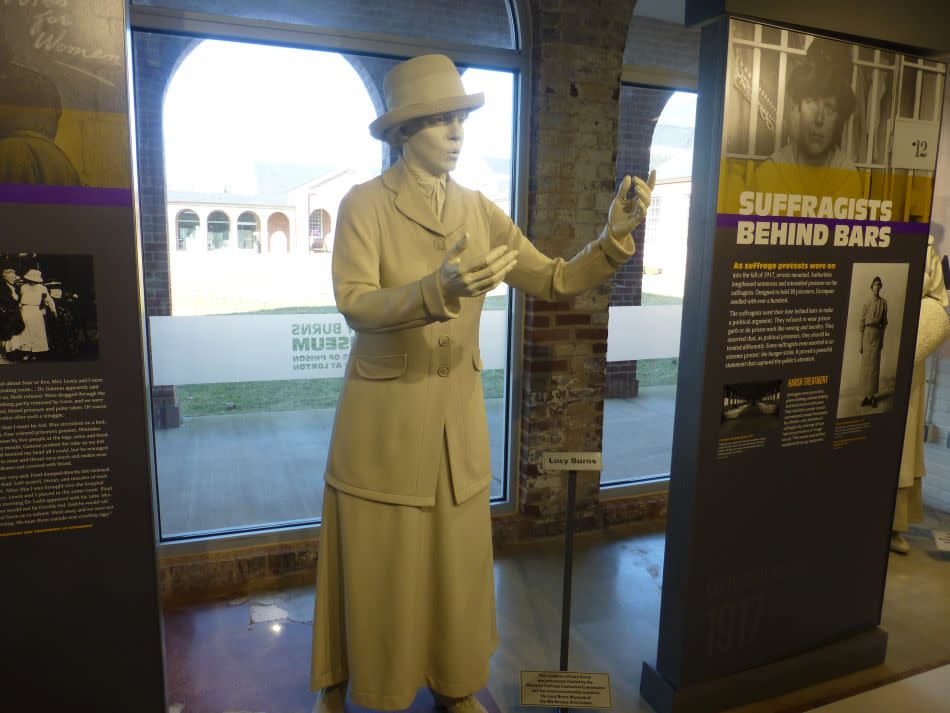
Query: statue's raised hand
{"type": "Point", "coordinates": [627, 212]}
{"type": "Point", "coordinates": [461, 277]}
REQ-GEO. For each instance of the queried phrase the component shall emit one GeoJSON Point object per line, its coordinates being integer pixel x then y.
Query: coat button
{"type": "Point", "coordinates": [443, 341]}
{"type": "Point", "coordinates": [443, 371]}
{"type": "Point", "coordinates": [439, 244]}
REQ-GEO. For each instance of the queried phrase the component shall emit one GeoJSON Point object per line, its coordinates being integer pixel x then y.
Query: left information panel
{"type": "Point", "coordinates": [77, 534]}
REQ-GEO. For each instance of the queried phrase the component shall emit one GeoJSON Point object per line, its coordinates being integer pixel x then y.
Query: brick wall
{"type": "Point", "coordinates": [576, 62]}
{"type": "Point", "coordinates": [155, 57]}
{"type": "Point", "coordinates": [372, 70]}
{"type": "Point", "coordinates": [662, 45]}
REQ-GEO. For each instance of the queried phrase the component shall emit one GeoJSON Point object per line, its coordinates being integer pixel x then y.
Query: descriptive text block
{"type": "Point", "coordinates": [565, 689]}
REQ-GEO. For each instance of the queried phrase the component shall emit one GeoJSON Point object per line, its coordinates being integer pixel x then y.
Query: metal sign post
{"type": "Point", "coordinates": [571, 462]}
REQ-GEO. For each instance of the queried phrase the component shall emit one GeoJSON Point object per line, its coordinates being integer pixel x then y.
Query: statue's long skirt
{"type": "Point", "coordinates": [405, 597]}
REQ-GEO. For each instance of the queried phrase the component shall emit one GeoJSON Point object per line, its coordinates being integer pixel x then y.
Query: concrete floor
{"type": "Point", "coordinates": [252, 653]}
{"type": "Point", "coordinates": [247, 469]}
{"type": "Point", "coordinates": [928, 691]}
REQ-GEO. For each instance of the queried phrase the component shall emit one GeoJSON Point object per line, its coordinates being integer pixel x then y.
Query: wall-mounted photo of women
{"type": "Point", "coordinates": [47, 308]}
{"type": "Point", "coordinates": [872, 338]}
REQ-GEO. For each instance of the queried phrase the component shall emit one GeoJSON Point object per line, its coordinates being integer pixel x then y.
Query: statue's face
{"type": "Point", "coordinates": [9, 276]}
{"type": "Point", "coordinates": [436, 142]}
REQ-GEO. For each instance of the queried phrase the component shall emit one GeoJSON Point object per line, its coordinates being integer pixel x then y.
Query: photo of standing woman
{"type": "Point", "coordinates": [872, 338]}
{"type": "Point", "coordinates": [873, 324]}
{"type": "Point", "coordinates": [35, 302]}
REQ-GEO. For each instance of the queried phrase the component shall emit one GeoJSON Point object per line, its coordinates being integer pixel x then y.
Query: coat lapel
{"type": "Point", "coordinates": [409, 198]}
{"type": "Point", "coordinates": [453, 214]}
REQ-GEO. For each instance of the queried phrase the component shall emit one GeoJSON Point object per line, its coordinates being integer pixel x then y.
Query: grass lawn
{"type": "Point", "coordinates": [648, 298]}
{"type": "Point", "coordinates": [657, 372]}
{"type": "Point", "coordinates": [289, 395]}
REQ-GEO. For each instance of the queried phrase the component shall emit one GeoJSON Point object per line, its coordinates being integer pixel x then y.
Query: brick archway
{"type": "Point", "coordinates": [640, 110]}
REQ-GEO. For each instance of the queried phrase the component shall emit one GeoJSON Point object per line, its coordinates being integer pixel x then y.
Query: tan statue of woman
{"type": "Point", "coordinates": [405, 595]}
{"type": "Point", "coordinates": [932, 330]}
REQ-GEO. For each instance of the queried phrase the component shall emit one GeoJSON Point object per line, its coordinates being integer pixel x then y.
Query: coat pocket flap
{"type": "Point", "coordinates": [388, 366]}
{"type": "Point", "coordinates": [477, 360]}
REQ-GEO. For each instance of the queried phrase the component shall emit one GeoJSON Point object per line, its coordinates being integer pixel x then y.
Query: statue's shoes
{"type": "Point", "coordinates": [899, 544]}
{"type": "Point", "coordinates": [467, 704]}
{"type": "Point", "coordinates": [330, 699]}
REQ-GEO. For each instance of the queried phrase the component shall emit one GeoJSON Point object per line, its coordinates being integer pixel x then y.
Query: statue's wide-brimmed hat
{"type": "Point", "coordinates": [422, 86]}
{"type": "Point", "coordinates": [33, 276]}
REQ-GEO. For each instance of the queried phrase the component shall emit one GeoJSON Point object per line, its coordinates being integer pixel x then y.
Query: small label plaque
{"type": "Point", "coordinates": [571, 461]}
{"type": "Point", "coordinates": [942, 538]}
{"type": "Point", "coordinates": [565, 689]}
{"type": "Point", "coordinates": [915, 144]}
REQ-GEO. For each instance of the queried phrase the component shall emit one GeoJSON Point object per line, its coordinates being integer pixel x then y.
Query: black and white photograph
{"type": "Point", "coordinates": [810, 115]}
{"type": "Point", "coordinates": [47, 308]}
{"type": "Point", "coordinates": [872, 338]}
{"type": "Point", "coordinates": [62, 113]}
{"type": "Point", "coordinates": [752, 407]}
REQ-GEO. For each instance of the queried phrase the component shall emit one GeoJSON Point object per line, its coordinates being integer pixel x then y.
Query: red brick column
{"type": "Point", "coordinates": [576, 61]}
{"type": "Point", "coordinates": [155, 59]}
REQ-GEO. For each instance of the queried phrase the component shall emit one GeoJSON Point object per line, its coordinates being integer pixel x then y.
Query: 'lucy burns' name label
{"type": "Point", "coordinates": [571, 461]}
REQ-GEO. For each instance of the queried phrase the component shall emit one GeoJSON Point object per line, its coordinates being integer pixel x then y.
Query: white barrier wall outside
{"type": "Point", "coordinates": [651, 332]}
{"type": "Point", "coordinates": [219, 349]}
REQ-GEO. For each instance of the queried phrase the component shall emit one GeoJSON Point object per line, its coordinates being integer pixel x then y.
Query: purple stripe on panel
{"type": "Point", "coordinates": [69, 195]}
{"type": "Point", "coordinates": [731, 220]}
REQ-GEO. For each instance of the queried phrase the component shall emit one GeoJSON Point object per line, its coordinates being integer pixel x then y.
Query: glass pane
{"type": "Point", "coordinates": [737, 133]}
{"type": "Point", "coordinates": [486, 165]}
{"type": "Point", "coordinates": [908, 93]}
{"type": "Point", "coordinates": [765, 140]}
{"type": "Point", "coordinates": [930, 87]}
{"type": "Point", "coordinates": [644, 331]}
{"type": "Point", "coordinates": [771, 35]}
{"type": "Point", "coordinates": [796, 40]}
{"type": "Point", "coordinates": [252, 345]}
{"type": "Point", "coordinates": [471, 22]}
{"type": "Point", "coordinates": [743, 30]}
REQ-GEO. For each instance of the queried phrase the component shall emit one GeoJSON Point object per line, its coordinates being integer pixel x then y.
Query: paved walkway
{"type": "Point", "coordinates": [250, 469]}
{"type": "Point", "coordinates": [245, 470]}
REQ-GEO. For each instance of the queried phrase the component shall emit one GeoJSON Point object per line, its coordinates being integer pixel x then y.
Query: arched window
{"type": "Point", "coordinates": [656, 132]}
{"type": "Point", "coordinates": [489, 23]}
{"type": "Point", "coordinates": [187, 224]}
{"type": "Point", "coordinates": [279, 167]}
{"type": "Point", "coordinates": [248, 231]}
{"type": "Point", "coordinates": [319, 227]}
{"type": "Point", "coordinates": [219, 230]}
{"type": "Point", "coordinates": [278, 231]}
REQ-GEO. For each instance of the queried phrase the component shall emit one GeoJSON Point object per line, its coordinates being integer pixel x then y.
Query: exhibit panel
{"type": "Point", "coordinates": [77, 537]}
{"type": "Point", "coordinates": [806, 261]}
